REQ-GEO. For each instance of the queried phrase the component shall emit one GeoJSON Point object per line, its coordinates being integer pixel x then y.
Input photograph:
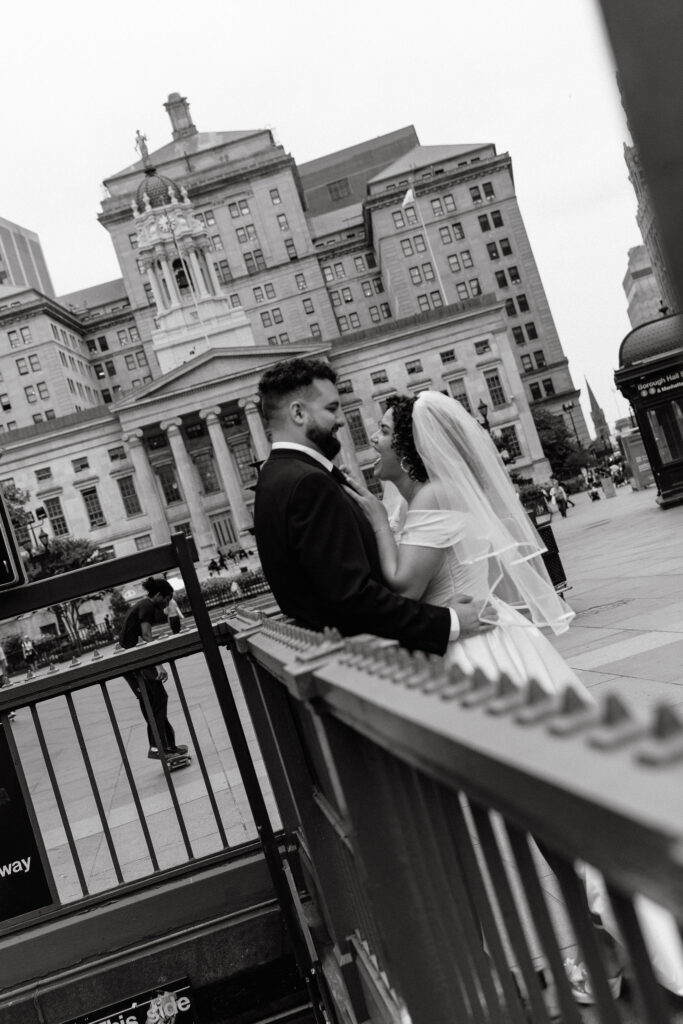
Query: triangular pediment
{"type": "Point", "coordinates": [212, 376]}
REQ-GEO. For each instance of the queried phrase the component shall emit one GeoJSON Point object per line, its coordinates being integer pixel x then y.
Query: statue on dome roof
{"type": "Point", "coordinates": [141, 146]}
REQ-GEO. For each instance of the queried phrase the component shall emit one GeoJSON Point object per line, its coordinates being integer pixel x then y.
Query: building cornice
{"type": "Point", "coordinates": [440, 183]}
{"type": "Point", "coordinates": [117, 209]}
{"type": "Point", "coordinates": [452, 313]}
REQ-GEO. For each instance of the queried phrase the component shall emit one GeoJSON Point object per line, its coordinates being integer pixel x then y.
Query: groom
{"type": "Point", "coordinates": [317, 549]}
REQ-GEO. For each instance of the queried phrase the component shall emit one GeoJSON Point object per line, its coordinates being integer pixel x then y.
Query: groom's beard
{"type": "Point", "coordinates": [328, 443]}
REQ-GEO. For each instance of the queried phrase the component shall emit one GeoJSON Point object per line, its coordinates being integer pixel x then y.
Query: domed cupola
{"type": "Point", "coordinates": [155, 190]}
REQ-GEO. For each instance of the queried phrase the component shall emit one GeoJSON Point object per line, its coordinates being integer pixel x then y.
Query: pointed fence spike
{"type": "Point", "coordinates": [667, 722]}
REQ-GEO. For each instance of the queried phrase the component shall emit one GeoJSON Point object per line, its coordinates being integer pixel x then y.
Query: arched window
{"type": "Point", "coordinates": [183, 277]}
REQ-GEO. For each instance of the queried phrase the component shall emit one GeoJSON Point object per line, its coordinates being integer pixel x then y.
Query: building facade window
{"type": "Point", "coordinates": [548, 386]}
{"type": "Point", "coordinates": [505, 247]}
{"type": "Point", "coordinates": [536, 392]}
{"type": "Point", "coordinates": [413, 366]}
{"type": "Point", "coordinates": [518, 335]}
{"type": "Point", "coordinates": [282, 222]}
{"type": "Point", "coordinates": [359, 435]}
{"type": "Point", "coordinates": [514, 275]}
{"type": "Point", "coordinates": [290, 249]}
{"type": "Point", "coordinates": [447, 356]}
{"type": "Point", "coordinates": [510, 441]}
{"type": "Point", "coordinates": [480, 347]}
{"type": "Point", "coordinates": [207, 472]}
{"type": "Point", "coordinates": [495, 386]}
{"type": "Point", "coordinates": [55, 513]}
{"type": "Point", "coordinates": [129, 496]}
{"type": "Point", "coordinates": [275, 196]}
{"type": "Point", "coordinates": [339, 189]}
{"type": "Point", "coordinates": [540, 359]}
{"type": "Point", "coordinates": [143, 542]}
{"type": "Point", "coordinates": [379, 377]}
{"type": "Point", "coordinates": [93, 508]}
{"type": "Point", "coordinates": [372, 483]}
{"type": "Point", "coordinates": [169, 484]}
{"type": "Point", "coordinates": [531, 331]}
{"type": "Point", "coordinates": [459, 392]}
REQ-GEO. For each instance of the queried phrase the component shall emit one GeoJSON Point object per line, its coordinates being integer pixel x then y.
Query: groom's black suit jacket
{"type": "Point", "coordinates": [319, 555]}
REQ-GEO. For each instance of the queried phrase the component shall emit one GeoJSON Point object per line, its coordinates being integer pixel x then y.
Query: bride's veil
{"type": "Point", "coordinates": [469, 476]}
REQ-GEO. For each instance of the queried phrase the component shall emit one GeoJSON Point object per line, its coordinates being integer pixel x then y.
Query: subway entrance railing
{"type": "Point", "coordinates": [104, 851]}
{"type": "Point", "coordinates": [418, 799]}
{"type": "Point", "coordinates": [381, 818]}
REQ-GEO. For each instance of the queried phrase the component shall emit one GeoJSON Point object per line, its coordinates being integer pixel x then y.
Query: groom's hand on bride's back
{"type": "Point", "coordinates": [468, 611]}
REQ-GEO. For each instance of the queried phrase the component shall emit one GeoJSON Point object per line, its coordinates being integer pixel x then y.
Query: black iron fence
{"type": "Point", "coordinates": [420, 800]}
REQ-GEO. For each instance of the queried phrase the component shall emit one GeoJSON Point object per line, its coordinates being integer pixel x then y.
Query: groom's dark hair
{"type": "Point", "coordinates": [287, 377]}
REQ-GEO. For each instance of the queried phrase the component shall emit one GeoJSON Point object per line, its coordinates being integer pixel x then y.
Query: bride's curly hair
{"type": "Point", "coordinates": [402, 441]}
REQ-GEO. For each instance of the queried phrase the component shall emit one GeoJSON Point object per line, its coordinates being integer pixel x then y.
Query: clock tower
{"type": "Point", "coordinates": [193, 314]}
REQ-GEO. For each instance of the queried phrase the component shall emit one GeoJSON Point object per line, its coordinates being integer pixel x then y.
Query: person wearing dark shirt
{"type": "Point", "coordinates": [150, 679]}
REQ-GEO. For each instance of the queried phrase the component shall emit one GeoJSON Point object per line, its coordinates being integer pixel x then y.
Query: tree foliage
{"type": "Point", "coordinates": [15, 500]}
{"type": "Point", "coordinates": [559, 447]}
{"type": "Point", "coordinates": [64, 554]}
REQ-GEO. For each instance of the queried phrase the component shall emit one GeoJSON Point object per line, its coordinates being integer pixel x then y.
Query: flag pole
{"type": "Point", "coordinates": [407, 202]}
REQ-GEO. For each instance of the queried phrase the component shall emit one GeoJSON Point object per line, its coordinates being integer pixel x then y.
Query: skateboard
{"type": "Point", "coordinates": [178, 761]}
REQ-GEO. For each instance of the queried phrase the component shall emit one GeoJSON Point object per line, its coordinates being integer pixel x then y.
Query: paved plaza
{"type": "Point", "coordinates": [624, 562]}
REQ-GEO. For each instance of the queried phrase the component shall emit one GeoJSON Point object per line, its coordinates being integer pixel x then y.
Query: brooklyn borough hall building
{"type": "Point", "coordinates": [128, 410]}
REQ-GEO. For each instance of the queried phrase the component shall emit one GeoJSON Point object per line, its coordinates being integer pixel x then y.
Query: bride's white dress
{"type": "Point", "coordinates": [518, 648]}
{"type": "Point", "coordinates": [515, 647]}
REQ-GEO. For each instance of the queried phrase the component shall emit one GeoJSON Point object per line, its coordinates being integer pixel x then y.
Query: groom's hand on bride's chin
{"type": "Point", "coordinates": [468, 612]}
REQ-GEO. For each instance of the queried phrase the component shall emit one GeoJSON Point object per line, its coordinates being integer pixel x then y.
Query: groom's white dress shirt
{"type": "Point", "coordinates": [326, 464]}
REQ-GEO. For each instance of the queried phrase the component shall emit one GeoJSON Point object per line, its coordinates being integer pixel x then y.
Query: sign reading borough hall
{"type": "Point", "coordinates": [169, 1004]}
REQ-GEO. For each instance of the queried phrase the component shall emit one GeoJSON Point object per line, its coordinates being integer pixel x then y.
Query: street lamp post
{"type": "Point", "coordinates": [568, 407]}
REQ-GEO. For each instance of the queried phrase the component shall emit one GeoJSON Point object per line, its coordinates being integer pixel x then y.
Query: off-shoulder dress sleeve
{"type": "Point", "coordinates": [432, 528]}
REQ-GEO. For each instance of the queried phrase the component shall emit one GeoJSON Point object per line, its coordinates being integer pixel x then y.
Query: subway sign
{"type": "Point", "coordinates": [167, 1004]}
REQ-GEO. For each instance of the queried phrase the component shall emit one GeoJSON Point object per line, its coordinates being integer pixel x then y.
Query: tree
{"type": "Point", "coordinates": [558, 446]}
{"type": "Point", "coordinates": [15, 499]}
{"type": "Point", "coordinates": [64, 554]}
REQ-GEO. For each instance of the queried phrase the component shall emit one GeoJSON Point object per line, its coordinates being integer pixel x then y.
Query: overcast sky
{"type": "Point", "coordinates": [534, 77]}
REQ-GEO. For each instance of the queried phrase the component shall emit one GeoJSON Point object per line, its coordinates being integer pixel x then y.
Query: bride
{"type": "Point", "coordinates": [462, 529]}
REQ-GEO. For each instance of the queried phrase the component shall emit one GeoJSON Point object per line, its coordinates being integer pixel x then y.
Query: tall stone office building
{"type": "Point", "coordinates": [128, 409]}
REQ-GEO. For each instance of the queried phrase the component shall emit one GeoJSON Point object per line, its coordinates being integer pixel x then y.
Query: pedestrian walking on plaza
{"type": "Point", "coordinates": [150, 679]}
{"type": "Point", "coordinates": [4, 674]}
{"type": "Point", "coordinates": [560, 496]}
{"type": "Point", "coordinates": [28, 652]}
{"type": "Point", "coordinates": [174, 615]}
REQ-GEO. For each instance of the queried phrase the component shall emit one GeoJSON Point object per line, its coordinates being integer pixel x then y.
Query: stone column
{"type": "Point", "coordinates": [156, 290]}
{"type": "Point", "coordinates": [168, 277]}
{"type": "Point", "coordinates": [200, 287]}
{"type": "Point", "coordinates": [255, 424]}
{"type": "Point", "coordinates": [148, 489]}
{"type": "Point", "coordinates": [211, 271]}
{"type": "Point", "coordinates": [201, 527]}
{"type": "Point", "coordinates": [228, 471]}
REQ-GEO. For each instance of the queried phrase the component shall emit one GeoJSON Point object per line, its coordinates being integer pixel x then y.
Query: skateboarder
{"type": "Point", "coordinates": [150, 679]}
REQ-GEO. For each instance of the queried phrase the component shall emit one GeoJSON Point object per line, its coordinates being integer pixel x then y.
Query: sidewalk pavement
{"type": "Point", "coordinates": [623, 558]}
